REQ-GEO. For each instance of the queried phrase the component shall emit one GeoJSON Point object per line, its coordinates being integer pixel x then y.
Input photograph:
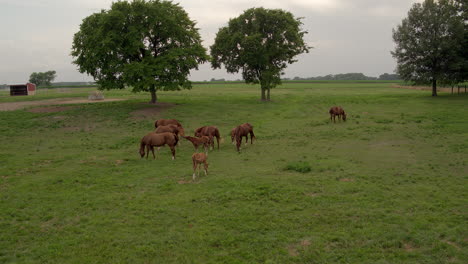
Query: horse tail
{"type": "Point", "coordinates": [176, 138]}
{"type": "Point", "coordinates": [156, 124]}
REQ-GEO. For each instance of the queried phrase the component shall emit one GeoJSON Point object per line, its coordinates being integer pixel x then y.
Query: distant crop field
{"type": "Point", "coordinates": [389, 185]}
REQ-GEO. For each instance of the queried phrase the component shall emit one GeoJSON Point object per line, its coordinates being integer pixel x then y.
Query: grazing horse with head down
{"type": "Point", "coordinates": [337, 111]}
{"type": "Point", "coordinates": [209, 131]}
{"type": "Point", "coordinates": [243, 131]}
{"type": "Point", "coordinates": [247, 126]}
{"type": "Point", "coordinates": [165, 122]}
{"type": "Point", "coordinates": [179, 131]}
{"type": "Point", "coordinates": [152, 140]}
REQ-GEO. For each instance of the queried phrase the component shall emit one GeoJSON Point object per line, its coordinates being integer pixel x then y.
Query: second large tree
{"type": "Point", "coordinates": [260, 43]}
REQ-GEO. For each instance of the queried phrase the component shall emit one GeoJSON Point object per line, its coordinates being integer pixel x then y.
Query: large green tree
{"type": "Point", "coordinates": [429, 43]}
{"type": "Point", "coordinates": [42, 78]}
{"type": "Point", "coordinates": [462, 6]}
{"type": "Point", "coordinates": [148, 45]}
{"type": "Point", "coordinates": [260, 43]}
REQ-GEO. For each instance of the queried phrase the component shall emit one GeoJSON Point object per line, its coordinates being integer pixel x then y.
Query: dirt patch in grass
{"type": "Point", "coordinates": [408, 247]}
{"type": "Point", "coordinates": [152, 112]}
{"type": "Point", "coordinates": [293, 249]}
{"type": "Point", "coordinates": [346, 180]}
{"type": "Point", "coordinates": [20, 105]}
{"type": "Point", "coordinates": [184, 182]}
{"type": "Point", "coordinates": [453, 244]}
{"type": "Point", "coordinates": [51, 109]}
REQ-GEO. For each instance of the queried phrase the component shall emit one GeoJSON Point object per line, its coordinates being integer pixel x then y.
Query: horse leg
{"type": "Point", "coordinates": [194, 169]}
{"type": "Point", "coordinates": [206, 168]}
{"type": "Point", "coordinates": [173, 152]}
{"type": "Point", "coordinates": [252, 135]}
{"type": "Point", "coordinates": [147, 151]}
{"type": "Point", "coordinates": [152, 150]}
{"type": "Point", "coordinates": [217, 140]}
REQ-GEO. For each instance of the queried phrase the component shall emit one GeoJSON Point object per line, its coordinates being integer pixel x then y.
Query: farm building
{"type": "Point", "coordinates": [23, 89]}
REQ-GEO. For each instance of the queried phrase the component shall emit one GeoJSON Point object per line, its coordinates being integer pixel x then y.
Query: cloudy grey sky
{"type": "Point", "coordinates": [347, 35]}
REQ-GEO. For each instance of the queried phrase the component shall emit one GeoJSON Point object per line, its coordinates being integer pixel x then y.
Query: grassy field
{"type": "Point", "coordinates": [387, 186]}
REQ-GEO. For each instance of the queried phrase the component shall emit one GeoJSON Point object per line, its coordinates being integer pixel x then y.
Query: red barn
{"type": "Point", "coordinates": [23, 89]}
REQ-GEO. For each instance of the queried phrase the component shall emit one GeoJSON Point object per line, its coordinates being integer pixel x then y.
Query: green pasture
{"type": "Point", "coordinates": [387, 186]}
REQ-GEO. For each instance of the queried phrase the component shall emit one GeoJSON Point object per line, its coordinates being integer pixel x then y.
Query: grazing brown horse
{"type": "Point", "coordinates": [152, 140]}
{"type": "Point", "coordinates": [337, 111]}
{"type": "Point", "coordinates": [249, 127]}
{"type": "Point", "coordinates": [198, 159]}
{"type": "Point", "coordinates": [197, 141]}
{"type": "Point", "coordinates": [243, 131]}
{"type": "Point", "coordinates": [209, 131]}
{"type": "Point", "coordinates": [170, 128]}
{"type": "Point", "coordinates": [165, 122]}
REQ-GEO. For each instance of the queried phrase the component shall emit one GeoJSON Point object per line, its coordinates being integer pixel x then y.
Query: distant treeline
{"type": "Point", "coordinates": [350, 77]}
{"type": "Point", "coordinates": [331, 77]}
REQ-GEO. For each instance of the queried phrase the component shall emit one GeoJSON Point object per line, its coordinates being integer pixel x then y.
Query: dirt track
{"type": "Point", "coordinates": [60, 101]}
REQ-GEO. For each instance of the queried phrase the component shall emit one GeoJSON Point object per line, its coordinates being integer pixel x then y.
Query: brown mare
{"type": "Point", "coordinates": [243, 131]}
{"type": "Point", "coordinates": [248, 126]}
{"type": "Point", "coordinates": [209, 131]}
{"type": "Point", "coordinates": [337, 111]}
{"type": "Point", "coordinates": [165, 122]}
{"type": "Point", "coordinates": [170, 128]}
{"type": "Point", "coordinates": [197, 141]}
{"type": "Point", "coordinates": [198, 159]}
{"type": "Point", "coordinates": [152, 140]}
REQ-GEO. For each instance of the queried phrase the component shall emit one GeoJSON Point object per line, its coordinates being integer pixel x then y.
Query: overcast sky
{"type": "Point", "coordinates": [347, 35]}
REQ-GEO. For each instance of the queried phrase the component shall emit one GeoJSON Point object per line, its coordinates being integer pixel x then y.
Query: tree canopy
{"type": "Point", "coordinates": [42, 78]}
{"type": "Point", "coordinates": [429, 44]}
{"type": "Point", "coordinates": [260, 43]}
{"type": "Point", "coordinates": [148, 45]}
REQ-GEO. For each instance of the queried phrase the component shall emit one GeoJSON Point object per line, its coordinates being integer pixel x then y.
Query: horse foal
{"type": "Point", "coordinates": [197, 141]}
{"type": "Point", "coordinates": [198, 159]}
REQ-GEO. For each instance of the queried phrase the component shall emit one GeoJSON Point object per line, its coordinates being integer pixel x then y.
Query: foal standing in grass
{"type": "Point", "coordinates": [198, 159]}
{"type": "Point", "coordinates": [203, 140]}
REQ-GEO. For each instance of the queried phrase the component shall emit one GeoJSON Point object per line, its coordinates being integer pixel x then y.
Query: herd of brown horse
{"type": "Point", "coordinates": [168, 131]}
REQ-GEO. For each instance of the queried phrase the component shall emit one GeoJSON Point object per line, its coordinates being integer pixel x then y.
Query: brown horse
{"type": "Point", "coordinates": [243, 131]}
{"type": "Point", "coordinates": [246, 125]}
{"type": "Point", "coordinates": [337, 111]}
{"type": "Point", "coordinates": [209, 131]}
{"type": "Point", "coordinates": [197, 141]}
{"type": "Point", "coordinates": [170, 128]}
{"type": "Point", "coordinates": [152, 140]}
{"type": "Point", "coordinates": [198, 159]}
{"type": "Point", "coordinates": [165, 122]}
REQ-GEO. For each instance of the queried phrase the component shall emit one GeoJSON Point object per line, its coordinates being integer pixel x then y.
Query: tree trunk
{"type": "Point", "coordinates": [268, 94]}
{"type": "Point", "coordinates": [263, 94]}
{"type": "Point", "coordinates": [154, 97]}
{"type": "Point", "coordinates": [434, 87]}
